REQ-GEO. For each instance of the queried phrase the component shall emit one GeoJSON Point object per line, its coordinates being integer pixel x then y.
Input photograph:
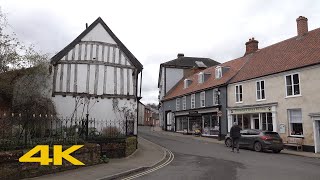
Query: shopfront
{"type": "Point", "coordinates": [204, 120]}
{"type": "Point", "coordinates": [255, 117]}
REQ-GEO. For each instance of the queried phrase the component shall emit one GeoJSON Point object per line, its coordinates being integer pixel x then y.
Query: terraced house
{"type": "Point", "coordinates": [278, 88]}
{"type": "Point", "coordinates": [199, 101]}
{"type": "Point", "coordinates": [170, 73]}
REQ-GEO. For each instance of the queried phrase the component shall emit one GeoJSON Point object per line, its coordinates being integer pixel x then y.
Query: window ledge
{"type": "Point", "coordinates": [297, 136]}
{"type": "Point", "coordinates": [260, 100]}
{"type": "Point", "coordinates": [293, 96]}
{"type": "Point", "coordinates": [239, 102]}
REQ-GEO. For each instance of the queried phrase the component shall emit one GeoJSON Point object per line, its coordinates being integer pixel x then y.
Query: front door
{"type": "Point", "coordinates": [169, 120]}
{"type": "Point", "coordinates": [256, 121]}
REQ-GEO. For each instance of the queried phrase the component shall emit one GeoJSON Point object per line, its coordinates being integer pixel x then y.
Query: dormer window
{"type": "Point", "coordinates": [187, 83]}
{"type": "Point", "coordinates": [218, 72]}
{"type": "Point", "coordinates": [201, 77]}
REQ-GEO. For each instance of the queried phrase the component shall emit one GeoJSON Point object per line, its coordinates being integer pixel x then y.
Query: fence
{"type": "Point", "coordinates": [19, 131]}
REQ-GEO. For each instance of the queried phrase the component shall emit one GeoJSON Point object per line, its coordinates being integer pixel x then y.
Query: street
{"type": "Point", "coordinates": [195, 159]}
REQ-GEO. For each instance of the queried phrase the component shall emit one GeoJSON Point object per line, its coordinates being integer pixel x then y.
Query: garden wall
{"type": "Point", "coordinates": [11, 168]}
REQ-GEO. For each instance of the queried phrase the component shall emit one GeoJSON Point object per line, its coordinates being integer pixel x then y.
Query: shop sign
{"type": "Point", "coordinates": [251, 110]}
{"type": "Point", "coordinates": [194, 113]}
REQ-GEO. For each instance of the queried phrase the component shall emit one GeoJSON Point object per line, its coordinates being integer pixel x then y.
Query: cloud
{"type": "Point", "coordinates": [155, 31]}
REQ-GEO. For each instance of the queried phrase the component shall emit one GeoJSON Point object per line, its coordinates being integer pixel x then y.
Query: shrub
{"type": "Point", "coordinates": [111, 131]}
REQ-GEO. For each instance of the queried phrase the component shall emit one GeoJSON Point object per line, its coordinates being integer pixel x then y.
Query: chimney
{"type": "Point", "coordinates": [302, 25]}
{"type": "Point", "coordinates": [180, 55]}
{"type": "Point", "coordinates": [251, 46]}
{"type": "Point", "coordinates": [86, 25]}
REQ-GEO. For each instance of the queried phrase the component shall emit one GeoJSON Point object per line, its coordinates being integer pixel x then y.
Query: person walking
{"type": "Point", "coordinates": [235, 136]}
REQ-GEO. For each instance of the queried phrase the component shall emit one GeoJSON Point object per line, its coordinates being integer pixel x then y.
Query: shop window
{"type": "Point", "coordinates": [184, 103]}
{"type": "Point", "coordinates": [211, 125]}
{"type": "Point", "coordinates": [295, 120]}
{"type": "Point", "coordinates": [178, 104]}
{"type": "Point", "coordinates": [193, 101]}
{"type": "Point", "coordinates": [238, 93]}
{"type": "Point", "coordinates": [182, 123]}
{"type": "Point", "coordinates": [292, 85]}
{"type": "Point", "coordinates": [195, 123]}
{"type": "Point", "coordinates": [243, 120]}
{"type": "Point", "coordinates": [261, 90]}
{"type": "Point", "coordinates": [266, 119]}
{"type": "Point", "coordinates": [202, 99]}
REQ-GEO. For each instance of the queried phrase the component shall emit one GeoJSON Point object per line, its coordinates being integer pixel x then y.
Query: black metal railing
{"type": "Point", "coordinates": [18, 131]}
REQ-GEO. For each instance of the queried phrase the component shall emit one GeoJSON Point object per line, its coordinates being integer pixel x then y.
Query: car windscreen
{"type": "Point", "coordinates": [272, 134]}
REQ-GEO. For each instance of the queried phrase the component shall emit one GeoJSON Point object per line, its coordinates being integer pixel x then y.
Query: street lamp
{"type": "Point", "coordinates": [219, 108]}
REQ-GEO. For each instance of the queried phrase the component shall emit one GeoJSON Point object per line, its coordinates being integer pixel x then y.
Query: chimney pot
{"type": "Point", "coordinates": [86, 25]}
{"type": "Point", "coordinates": [251, 46]}
{"type": "Point", "coordinates": [302, 25]}
{"type": "Point", "coordinates": [180, 55]}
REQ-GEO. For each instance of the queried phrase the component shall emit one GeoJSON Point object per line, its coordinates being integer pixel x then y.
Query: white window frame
{"type": "Point", "coordinates": [178, 104]}
{"type": "Point", "coordinates": [193, 101]}
{"type": "Point", "coordinates": [201, 77]}
{"type": "Point", "coordinates": [289, 120]}
{"type": "Point", "coordinates": [185, 85]}
{"type": "Point", "coordinates": [218, 72]}
{"type": "Point", "coordinates": [292, 86]}
{"type": "Point", "coordinates": [184, 102]}
{"type": "Point", "coordinates": [215, 97]}
{"type": "Point", "coordinates": [203, 99]}
{"type": "Point", "coordinates": [238, 94]}
{"type": "Point", "coordinates": [260, 93]}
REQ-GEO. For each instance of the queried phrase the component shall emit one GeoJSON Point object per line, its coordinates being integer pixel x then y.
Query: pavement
{"type": "Point", "coordinates": [147, 156]}
{"type": "Point", "coordinates": [212, 140]}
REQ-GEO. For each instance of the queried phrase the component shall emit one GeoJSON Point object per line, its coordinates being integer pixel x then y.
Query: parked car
{"type": "Point", "coordinates": [258, 140]}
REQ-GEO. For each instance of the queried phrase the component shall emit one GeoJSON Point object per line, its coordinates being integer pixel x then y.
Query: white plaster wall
{"type": "Point", "coordinates": [101, 111]}
{"type": "Point", "coordinates": [98, 33]}
{"type": "Point", "coordinates": [82, 79]}
{"type": "Point", "coordinates": [276, 92]}
{"type": "Point", "coordinates": [173, 76]}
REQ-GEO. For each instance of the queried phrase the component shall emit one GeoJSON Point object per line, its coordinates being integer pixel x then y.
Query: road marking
{"type": "Point", "coordinates": [167, 162]}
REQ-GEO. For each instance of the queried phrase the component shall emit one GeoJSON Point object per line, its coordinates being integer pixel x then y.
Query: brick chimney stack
{"type": "Point", "coordinates": [251, 46]}
{"type": "Point", "coordinates": [180, 55]}
{"type": "Point", "coordinates": [302, 25]}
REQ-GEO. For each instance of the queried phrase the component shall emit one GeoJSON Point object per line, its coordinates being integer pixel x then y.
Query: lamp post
{"type": "Point", "coordinates": [218, 96]}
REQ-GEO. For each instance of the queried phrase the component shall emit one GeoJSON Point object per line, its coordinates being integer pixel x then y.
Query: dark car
{"type": "Point", "coordinates": [258, 140]}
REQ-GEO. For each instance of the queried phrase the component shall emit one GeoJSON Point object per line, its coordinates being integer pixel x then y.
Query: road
{"type": "Point", "coordinates": [195, 159]}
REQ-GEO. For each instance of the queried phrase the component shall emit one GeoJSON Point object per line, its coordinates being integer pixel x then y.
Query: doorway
{"type": "Point", "coordinates": [317, 135]}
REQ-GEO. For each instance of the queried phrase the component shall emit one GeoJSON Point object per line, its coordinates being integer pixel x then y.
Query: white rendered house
{"type": "Point", "coordinates": [96, 75]}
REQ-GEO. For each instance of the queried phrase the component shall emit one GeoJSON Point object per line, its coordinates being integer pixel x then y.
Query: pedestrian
{"type": "Point", "coordinates": [235, 136]}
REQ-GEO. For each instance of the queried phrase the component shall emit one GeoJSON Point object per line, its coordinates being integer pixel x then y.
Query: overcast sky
{"type": "Point", "coordinates": [155, 31]}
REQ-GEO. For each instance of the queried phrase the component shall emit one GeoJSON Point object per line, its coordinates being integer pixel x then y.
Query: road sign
{"type": "Point", "coordinates": [219, 113]}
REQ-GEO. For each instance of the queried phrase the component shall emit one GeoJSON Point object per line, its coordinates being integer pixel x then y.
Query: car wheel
{"type": "Point", "coordinates": [228, 142]}
{"type": "Point", "coordinates": [258, 146]}
{"type": "Point", "coordinates": [276, 151]}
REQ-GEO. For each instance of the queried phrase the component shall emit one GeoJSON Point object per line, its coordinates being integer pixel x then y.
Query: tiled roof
{"type": "Point", "coordinates": [121, 46]}
{"type": "Point", "coordinates": [293, 53]}
{"type": "Point", "coordinates": [234, 66]}
{"type": "Point", "coordinates": [190, 62]}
